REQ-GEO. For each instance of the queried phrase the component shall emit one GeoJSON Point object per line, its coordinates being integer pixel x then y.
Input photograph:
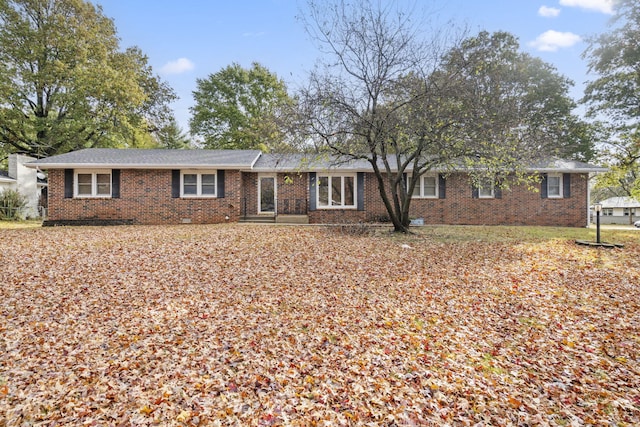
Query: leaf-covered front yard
{"type": "Point", "coordinates": [257, 326]}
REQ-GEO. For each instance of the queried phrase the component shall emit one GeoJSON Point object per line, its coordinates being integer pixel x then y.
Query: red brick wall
{"type": "Point", "coordinates": [518, 206]}
{"type": "Point", "coordinates": [145, 198]}
{"type": "Point", "coordinates": [293, 193]}
{"type": "Point", "coordinates": [249, 194]}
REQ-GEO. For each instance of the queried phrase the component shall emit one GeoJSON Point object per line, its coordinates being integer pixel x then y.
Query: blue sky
{"type": "Point", "coordinates": [190, 39]}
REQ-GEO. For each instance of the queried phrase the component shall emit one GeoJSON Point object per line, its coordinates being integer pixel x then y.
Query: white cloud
{"type": "Point", "coordinates": [603, 6]}
{"type": "Point", "coordinates": [178, 66]}
{"type": "Point", "coordinates": [548, 12]}
{"type": "Point", "coordinates": [551, 41]}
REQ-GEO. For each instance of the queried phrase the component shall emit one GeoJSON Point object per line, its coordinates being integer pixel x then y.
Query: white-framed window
{"type": "Point", "coordinates": [194, 183]}
{"type": "Point", "coordinates": [93, 183]}
{"type": "Point", "coordinates": [426, 187]}
{"type": "Point", "coordinates": [486, 191]}
{"type": "Point", "coordinates": [336, 191]}
{"type": "Point", "coordinates": [554, 185]}
{"type": "Point", "coordinates": [607, 211]}
{"type": "Point", "coordinates": [626, 211]}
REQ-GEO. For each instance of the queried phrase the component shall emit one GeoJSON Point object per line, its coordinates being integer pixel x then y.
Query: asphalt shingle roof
{"type": "Point", "coordinates": [321, 162]}
{"type": "Point", "coordinates": [247, 160]}
{"type": "Point", "coordinates": [560, 165]}
{"type": "Point", "coordinates": [307, 162]}
{"type": "Point", "coordinates": [150, 159]}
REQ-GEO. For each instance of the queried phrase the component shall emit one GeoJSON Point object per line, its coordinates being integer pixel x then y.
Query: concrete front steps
{"type": "Point", "coordinates": [270, 219]}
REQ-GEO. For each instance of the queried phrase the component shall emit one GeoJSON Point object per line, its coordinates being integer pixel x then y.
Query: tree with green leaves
{"type": "Point", "coordinates": [240, 108]}
{"type": "Point", "coordinates": [615, 57]}
{"type": "Point", "coordinates": [623, 160]}
{"type": "Point", "coordinates": [511, 100]}
{"type": "Point", "coordinates": [409, 105]}
{"type": "Point", "coordinates": [615, 96]}
{"type": "Point", "coordinates": [65, 84]}
{"type": "Point", "coordinates": [172, 136]}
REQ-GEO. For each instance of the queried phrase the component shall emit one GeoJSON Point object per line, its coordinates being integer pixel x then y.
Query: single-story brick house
{"type": "Point", "coordinates": [156, 186]}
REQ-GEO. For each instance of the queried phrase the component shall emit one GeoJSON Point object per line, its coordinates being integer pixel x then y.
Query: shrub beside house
{"type": "Point", "coordinates": [128, 186]}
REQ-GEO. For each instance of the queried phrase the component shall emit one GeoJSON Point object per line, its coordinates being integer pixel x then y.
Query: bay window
{"type": "Point", "coordinates": [336, 191]}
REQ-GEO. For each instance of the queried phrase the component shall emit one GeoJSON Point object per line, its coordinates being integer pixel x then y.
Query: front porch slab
{"type": "Point", "coordinates": [292, 219]}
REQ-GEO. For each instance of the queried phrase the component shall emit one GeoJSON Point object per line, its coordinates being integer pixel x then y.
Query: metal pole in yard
{"type": "Point", "coordinates": [598, 208]}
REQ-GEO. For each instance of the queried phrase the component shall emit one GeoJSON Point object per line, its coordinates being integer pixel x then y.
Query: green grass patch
{"type": "Point", "coordinates": [9, 225]}
{"type": "Point", "coordinates": [508, 234]}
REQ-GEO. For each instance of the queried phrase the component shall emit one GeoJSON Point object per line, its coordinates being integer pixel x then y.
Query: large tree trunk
{"type": "Point", "coordinates": [398, 218]}
{"type": "Point", "coordinates": [396, 214]}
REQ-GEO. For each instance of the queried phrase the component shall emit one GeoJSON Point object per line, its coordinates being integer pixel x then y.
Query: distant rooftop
{"type": "Point", "coordinates": [620, 202]}
{"type": "Point", "coordinates": [4, 176]}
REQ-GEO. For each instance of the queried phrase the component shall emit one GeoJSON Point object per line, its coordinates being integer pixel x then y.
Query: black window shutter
{"type": "Point", "coordinates": [442, 187]}
{"type": "Point", "coordinates": [497, 192]}
{"type": "Point", "coordinates": [474, 192]}
{"type": "Point", "coordinates": [360, 184]}
{"type": "Point", "coordinates": [544, 193]}
{"type": "Point", "coordinates": [68, 183]}
{"type": "Point", "coordinates": [220, 179]}
{"type": "Point", "coordinates": [115, 183]}
{"type": "Point", "coordinates": [175, 183]}
{"type": "Point", "coordinates": [566, 185]}
{"type": "Point", "coordinates": [312, 191]}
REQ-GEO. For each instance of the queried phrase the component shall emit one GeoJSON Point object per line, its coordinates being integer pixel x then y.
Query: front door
{"type": "Point", "coordinates": [267, 194]}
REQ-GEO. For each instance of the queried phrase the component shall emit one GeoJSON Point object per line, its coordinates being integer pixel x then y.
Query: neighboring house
{"type": "Point", "coordinates": [127, 186]}
{"type": "Point", "coordinates": [6, 182]}
{"type": "Point", "coordinates": [619, 210]}
{"type": "Point", "coordinates": [27, 181]}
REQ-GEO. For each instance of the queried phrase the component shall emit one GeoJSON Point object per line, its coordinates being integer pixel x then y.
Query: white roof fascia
{"type": "Point", "coordinates": [255, 160]}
